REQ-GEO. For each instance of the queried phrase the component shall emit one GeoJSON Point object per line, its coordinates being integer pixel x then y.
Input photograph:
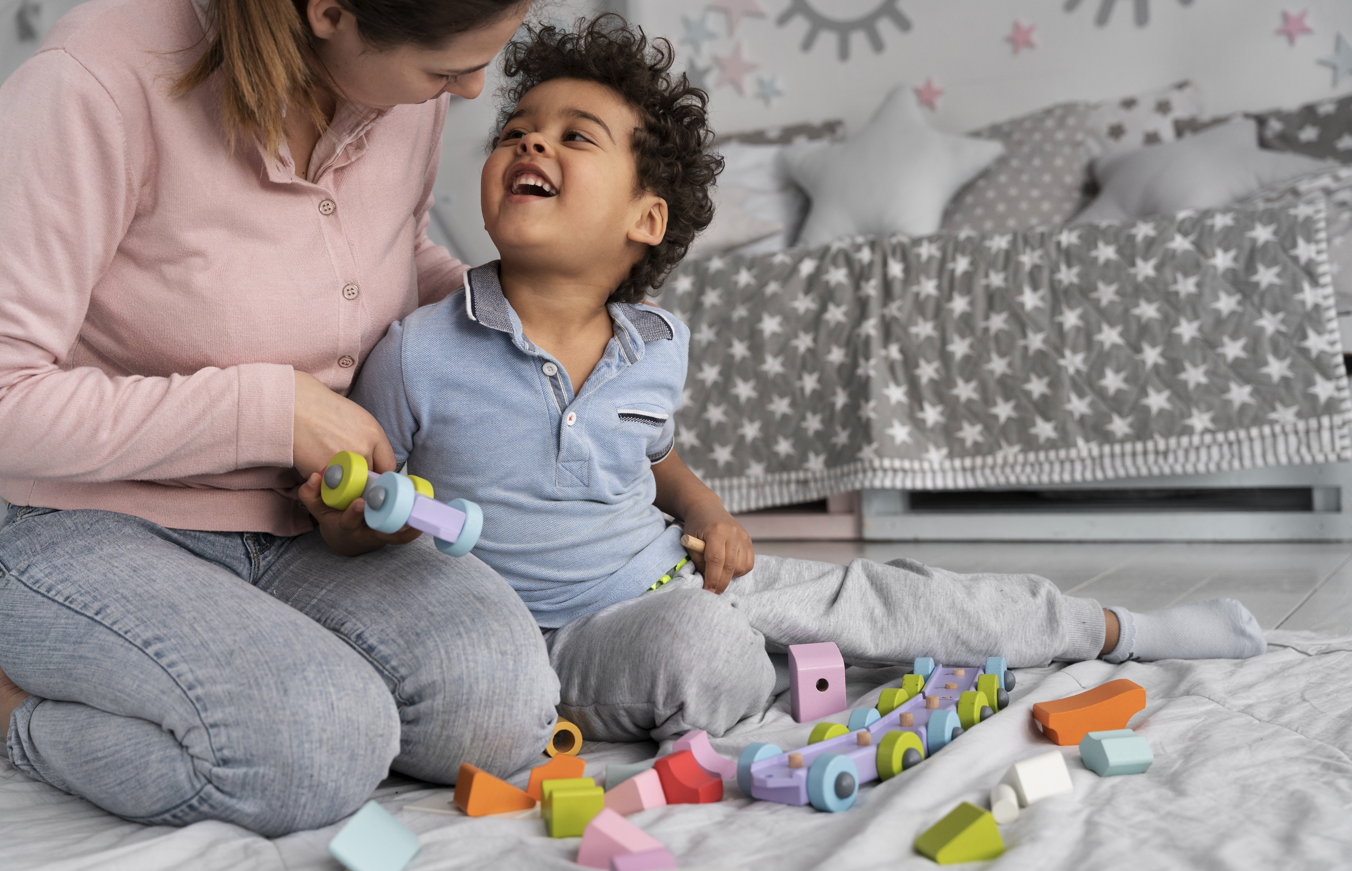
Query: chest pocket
{"type": "Point", "coordinates": [643, 434]}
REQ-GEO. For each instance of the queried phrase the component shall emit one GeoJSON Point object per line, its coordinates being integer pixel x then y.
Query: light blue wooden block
{"type": "Point", "coordinates": [374, 841]}
{"type": "Point", "coordinates": [1120, 751]}
{"type": "Point", "coordinates": [617, 773]}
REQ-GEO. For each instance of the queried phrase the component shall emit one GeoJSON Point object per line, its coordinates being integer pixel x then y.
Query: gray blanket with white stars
{"type": "Point", "coordinates": [1181, 344]}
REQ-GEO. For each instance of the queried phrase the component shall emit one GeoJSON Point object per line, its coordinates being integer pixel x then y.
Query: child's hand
{"type": "Point", "coordinates": [346, 531]}
{"type": "Point", "coordinates": [728, 552]}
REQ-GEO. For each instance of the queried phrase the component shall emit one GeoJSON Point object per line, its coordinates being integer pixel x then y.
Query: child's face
{"type": "Point", "coordinates": [560, 190]}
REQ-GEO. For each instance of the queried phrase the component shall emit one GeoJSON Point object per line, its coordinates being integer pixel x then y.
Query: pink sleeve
{"type": "Point", "coordinates": [72, 174]}
{"type": "Point", "coordinates": [439, 273]}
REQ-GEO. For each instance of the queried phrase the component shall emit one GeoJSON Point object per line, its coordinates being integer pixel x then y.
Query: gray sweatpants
{"type": "Point", "coordinates": [681, 658]}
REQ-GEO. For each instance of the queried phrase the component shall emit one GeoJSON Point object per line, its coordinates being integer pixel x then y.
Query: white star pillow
{"type": "Point", "coordinates": [893, 176]}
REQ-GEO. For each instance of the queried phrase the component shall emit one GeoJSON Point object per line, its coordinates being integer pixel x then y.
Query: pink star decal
{"type": "Point", "coordinates": [1021, 37]}
{"type": "Point", "coordinates": [928, 95]}
{"type": "Point", "coordinates": [736, 10]}
{"type": "Point", "coordinates": [1294, 25]}
{"type": "Point", "coordinates": [733, 68]}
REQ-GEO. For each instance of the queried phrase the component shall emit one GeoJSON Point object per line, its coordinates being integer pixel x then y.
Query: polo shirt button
{"type": "Point", "coordinates": [550, 370]}
{"type": "Point", "coordinates": [350, 291]}
{"type": "Point", "coordinates": [328, 207]}
{"type": "Point", "coordinates": [346, 362]}
{"type": "Point", "coordinates": [571, 418]}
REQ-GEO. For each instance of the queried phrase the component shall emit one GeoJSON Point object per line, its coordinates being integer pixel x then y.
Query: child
{"type": "Point", "coordinates": [546, 392]}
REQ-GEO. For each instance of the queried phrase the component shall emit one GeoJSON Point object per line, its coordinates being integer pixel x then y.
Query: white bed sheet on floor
{"type": "Point", "coordinates": [1253, 769]}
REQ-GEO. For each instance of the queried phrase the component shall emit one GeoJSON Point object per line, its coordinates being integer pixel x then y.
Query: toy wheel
{"type": "Point", "coordinates": [469, 533]}
{"type": "Point", "coordinates": [1009, 681]}
{"type": "Point", "coordinates": [825, 731]}
{"type": "Point", "coordinates": [970, 704]}
{"type": "Point", "coordinates": [832, 782]}
{"type": "Point", "coordinates": [752, 754]}
{"type": "Point", "coordinates": [914, 684]}
{"type": "Point", "coordinates": [943, 726]}
{"type": "Point", "coordinates": [389, 502]}
{"type": "Point", "coordinates": [1001, 700]}
{"type": "Point", "coordinates": [924, 666]}
{"type": "Point", "coordinates": [423, 486]}
{"type": "Point", "coordinates": [344, 480]}
{"type": "Point", "coordinates": [990, 685]}
{"type": "Point", "coordinates": [895, 749]}
{"type": "Point", "coordinates": [892, 698]}
{"type": "Point", "coordinates": [986, 713]}
{"type": "Point", "coordinates": [862, 718]}
{"type": "Point", "coordinates": [996, 665]}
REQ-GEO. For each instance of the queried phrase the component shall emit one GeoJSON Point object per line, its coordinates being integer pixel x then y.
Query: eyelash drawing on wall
{"type": "Point", "coordinates": [842, 28]}
{"type": "Point", "coordinates": [1105, 10]}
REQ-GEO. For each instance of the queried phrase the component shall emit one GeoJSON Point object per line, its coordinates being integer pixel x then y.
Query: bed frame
{"type": "Point", "coordinates": [1282, 503]}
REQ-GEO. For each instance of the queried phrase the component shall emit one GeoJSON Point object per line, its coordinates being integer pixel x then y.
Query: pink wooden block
{"type": "Point", "coordinates": [697, 742]}
{"type": "Point", "coordinates": [816, 680]}
{"type": "Point", "coordinates": [648, 860]}
{"type": "Point", "coordinates": [609, 835]}
{"type": "Point", "coordinates": [638, 793]}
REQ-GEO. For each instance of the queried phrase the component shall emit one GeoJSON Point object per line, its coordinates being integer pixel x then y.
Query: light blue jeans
{"type": "Point", "coordinates": [180, 676]}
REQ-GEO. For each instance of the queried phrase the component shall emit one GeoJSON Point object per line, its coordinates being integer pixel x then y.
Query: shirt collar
{"type": "Point", "coordinates": [485, 304]}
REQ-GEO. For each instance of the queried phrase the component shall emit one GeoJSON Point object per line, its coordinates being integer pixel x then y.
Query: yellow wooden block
{"type": "Point", "coordinates": [569, 805]}
{"type": "Point", "coordinates": [967, 834]}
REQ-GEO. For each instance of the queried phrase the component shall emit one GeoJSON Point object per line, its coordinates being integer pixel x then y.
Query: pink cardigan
{"type": "Point", "coordinates": [157, 291]}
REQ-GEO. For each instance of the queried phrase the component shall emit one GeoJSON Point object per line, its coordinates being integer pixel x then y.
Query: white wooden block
{"type": "Point", "coordinates": [1004, 803]}
{"type": "Point", "coordinates": [1035, 779]}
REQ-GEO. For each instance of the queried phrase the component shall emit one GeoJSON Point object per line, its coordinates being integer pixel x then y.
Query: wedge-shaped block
{"type": "Point", "coordinates": [617, 773]}
{"type": "Point", "coordinates": [558, 768]}
{"type": "Point", "coordinates": [1102, 709]}
{"type": "Point", "coordinates": [967, 834]}
{"type": "Point", "coordinates": [374, 841]}
{"type": "Point", "coordinates": [1120, 751]}
{"type": "Point", "coordinates": [609, 835]}
{"type": "Point", "coordinates": [1035, 779]}
{"type": "Point", "coordinates": [638, 793]}
{"type": "Point", "coordinates": [697, 742]}
{"type": "Point", "coordinates": [479, 794]}
{"type": "Point", "coordinates": [684, 782]}
{"type": "Point", "coordinates": [649, 860]}
{"type": "Point", "coordinates": [816, 680]}
{"type": "Point", "coordinates": [569, 805]}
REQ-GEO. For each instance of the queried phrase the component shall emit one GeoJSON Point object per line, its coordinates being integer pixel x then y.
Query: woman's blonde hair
{"type": "Point", "coordinates": [264, 51]}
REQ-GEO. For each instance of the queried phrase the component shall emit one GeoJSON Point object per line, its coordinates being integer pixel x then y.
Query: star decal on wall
{"type": "Point", "coordinates": [1340, 61]}
{"type": "Point", "coordinates": [768, 90]}
{"type": "Point", "coordinates": [697, 32]}
{"type": "Point", "coordinates": [698, 76]}
{"type": "Point", "coordinates": [928, 94]}
{"type": "Point", "coordinates": [736, 10]}
{"type": "Point", "coordinates": [1294, 25]}
{"type": "Point", "coordinates": [1021, 37]}
{"type": "Point", "coordinates": [733, 69]}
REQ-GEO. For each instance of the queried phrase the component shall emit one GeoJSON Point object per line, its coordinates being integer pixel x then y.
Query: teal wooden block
{"type": "Point", "coordinates": [1120, 751]}
{"type": "Point", "coordinates": [374, 841]}
{"type": "Point", "coordinates": [617, 773]}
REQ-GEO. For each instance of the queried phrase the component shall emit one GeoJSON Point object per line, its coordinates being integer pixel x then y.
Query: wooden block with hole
{"type": "Point", "coordinates": [816, 680]}
{"type": "Point", "coordinates": [558, 768]}
{"type": "Point", "coordinates": [479, 794]}
{"type": "Point", "coordinates": [1103, 709]}
{"type": "Point", "coordinates": [566, 740]}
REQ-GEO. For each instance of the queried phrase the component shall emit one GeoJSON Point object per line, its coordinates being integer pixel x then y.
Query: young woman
{"type": "Point", "coordinates": [212, 210]}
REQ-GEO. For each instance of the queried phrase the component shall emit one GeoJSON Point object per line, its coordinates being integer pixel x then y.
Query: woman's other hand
{"type": "Point", "coordinates": [326, 423]}
{"type": "Point", "coordinates": [346, 531]}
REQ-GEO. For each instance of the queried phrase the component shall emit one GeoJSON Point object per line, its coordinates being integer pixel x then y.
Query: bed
{"type": "Point", "coordinates": [1251, 770]}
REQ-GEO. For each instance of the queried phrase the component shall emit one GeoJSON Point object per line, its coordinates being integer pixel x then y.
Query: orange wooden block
{"type": "Point", "coordinates": [558, 768]}
{"type": "Point", "coordinates": [479, 794]}
{"type": "Point", "coordinates": [1102, 709]}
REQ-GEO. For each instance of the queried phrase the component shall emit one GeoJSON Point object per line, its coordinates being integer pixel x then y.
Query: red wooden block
{"type": "Point", "coordinates": [684, 782]}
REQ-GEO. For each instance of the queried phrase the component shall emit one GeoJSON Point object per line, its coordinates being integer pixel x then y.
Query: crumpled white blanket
{"type": "Point", "coordinates": [1251, 770]}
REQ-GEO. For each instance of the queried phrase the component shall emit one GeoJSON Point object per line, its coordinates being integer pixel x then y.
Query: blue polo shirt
{"type": "Point", "coordinates": [564, 479]}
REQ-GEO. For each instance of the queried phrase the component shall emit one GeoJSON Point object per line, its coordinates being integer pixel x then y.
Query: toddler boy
{"type": "Point", "coordinates": [546, 391]}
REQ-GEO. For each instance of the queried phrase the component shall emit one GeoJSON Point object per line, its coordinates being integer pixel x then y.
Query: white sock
{"type": "Point", "coordinates": [1214, 629]}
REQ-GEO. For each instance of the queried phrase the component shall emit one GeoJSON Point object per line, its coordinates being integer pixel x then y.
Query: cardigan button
{"type": "Point", "coordinates": [346, 362]}
{"type": "Point", "coordinates": [328, 207]}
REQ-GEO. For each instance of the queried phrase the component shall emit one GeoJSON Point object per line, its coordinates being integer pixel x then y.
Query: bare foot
{"type": "Point", "coordinates": [10, 698]}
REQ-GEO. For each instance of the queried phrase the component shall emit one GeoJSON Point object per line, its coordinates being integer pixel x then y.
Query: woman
{"type": "Point", "coordinates": [212, 210]}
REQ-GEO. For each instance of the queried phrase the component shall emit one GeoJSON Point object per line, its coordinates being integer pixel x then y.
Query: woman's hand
{"type": "Point", "coordinates": [346, 531]}
{"type": "Point", "coordinates": [728, 552]}
{"type": "Point", "coordinates": [325, 423]}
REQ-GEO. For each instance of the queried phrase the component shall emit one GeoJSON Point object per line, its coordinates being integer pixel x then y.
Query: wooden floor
{"type": "Point", "coordinates": [1286, 586]}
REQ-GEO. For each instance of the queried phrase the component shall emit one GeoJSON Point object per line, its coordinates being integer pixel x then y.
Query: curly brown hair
{"type": "Point", "coordinates": [672, 144]}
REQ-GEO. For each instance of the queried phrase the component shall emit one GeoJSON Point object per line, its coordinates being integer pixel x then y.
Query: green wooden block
{"type": "Point", "coordinates": [568, 805]}
{"type": "Point", "coordinates": [967, 834]}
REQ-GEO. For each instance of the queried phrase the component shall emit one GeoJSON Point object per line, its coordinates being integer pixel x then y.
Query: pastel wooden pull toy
{"type": "Point", "coordinates": [1103, 709]}
{"type": "Point", "coordinates": [558, 768]}
{"type": "Point", "coordinates": [479, 794]}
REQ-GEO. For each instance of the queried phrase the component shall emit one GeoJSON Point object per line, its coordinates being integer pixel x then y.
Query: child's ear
{"type": "Point", "coordinates": [651, 226]}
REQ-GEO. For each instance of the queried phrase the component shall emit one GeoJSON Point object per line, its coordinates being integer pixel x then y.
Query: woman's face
{"type": "Point", "coordinates": [407, 73]}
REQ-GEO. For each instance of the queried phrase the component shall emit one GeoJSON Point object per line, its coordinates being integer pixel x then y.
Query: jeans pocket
{"type": "Point", "coordinates": [16, 513]}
